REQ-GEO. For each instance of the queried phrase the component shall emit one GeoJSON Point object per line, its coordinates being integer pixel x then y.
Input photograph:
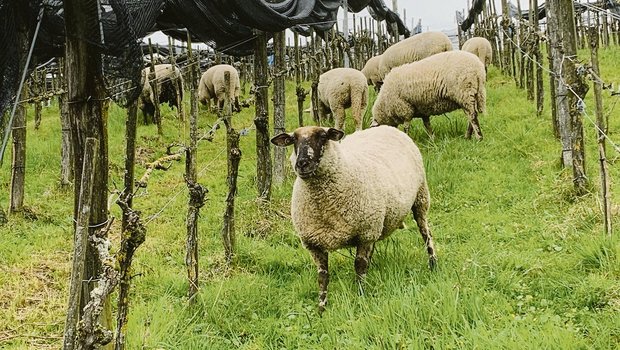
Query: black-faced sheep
{"type": "Point", "coordinates": [480, 47]}
{"type": "Point", "coordinates": [435, 85]}
{"type": "Point", "coordinates": [211, 86]}
{"type": "Point", "coordinates": [355, 192]}
{"type": "Point", "coordinates": [169, 82]}
{"type": "Point", "coordinates": [341, 88]}
{"type": "Point", "coordinates": [413, 49]}
{"type": "Point", "coordinates": [371, 72]}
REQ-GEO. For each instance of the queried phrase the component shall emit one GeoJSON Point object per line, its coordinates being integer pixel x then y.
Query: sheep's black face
{"type": "Point", "coordinates": [309, 142]}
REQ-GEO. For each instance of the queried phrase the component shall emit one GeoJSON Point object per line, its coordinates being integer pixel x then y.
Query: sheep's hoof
{"type": "Point", "coordinates": [321, 309]}
{"type": "Point", "coordinates": [360, 286]}
{"type": "Point", "coordinates": [432, 262]}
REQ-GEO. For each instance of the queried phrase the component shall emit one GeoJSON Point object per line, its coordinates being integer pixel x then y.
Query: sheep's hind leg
{"type": "Point", "coordinates": [362, 260]}
{"type": "Point", "coordinates": [419, 210]}
{"type": "Point", "coordinates": [321, 259]}
{"type": "Point", "coordinates": [473, 127]}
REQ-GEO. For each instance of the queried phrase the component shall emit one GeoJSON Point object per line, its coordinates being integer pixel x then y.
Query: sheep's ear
{"type": "Point", "coordinates": [334, 134]}
{"type": "Point", "coordinates": [283, 140]}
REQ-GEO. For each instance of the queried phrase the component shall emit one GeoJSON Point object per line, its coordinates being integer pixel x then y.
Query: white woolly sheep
{"type": "Point", "coordinates": [435, 85]}
{"type": "Point", "coordinates": [355, 192]}
{"type": "Point", "coordinates": [413, 49]}
{"type": "Point", "coordinates": [342, 88]}
{"type": "Point", "coordinates": [169, 83]}
{"type": "Point", "coordinates": [211, 86]}
{"type": "Point", "coordinates": [480, 47]}
{"type": "Point", "coordinates": [371, 71]}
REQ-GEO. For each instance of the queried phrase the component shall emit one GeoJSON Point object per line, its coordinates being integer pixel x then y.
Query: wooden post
{"type": "Point", "coordinates": [570, 101]}
{"type": "Point", "coordinates": [261, 119]}
{"type": "Point", "coordinates": [88, 115]}
{"type": "Point", "coordinates": [540, 90]}
{"type": "Point", "coordinates": [279, 121]}
{"type": "Point", "coordinates": [178, 87]}
{"type": "Point", "coordinates": [152, 81]}
{"type": "Point", "coordinates": [507, 52]}
{"type": "Point", "coordinates": [66, 150]}
{"type": "Point", "coordinates": [18, 163]}
{"type": "Point", "coordinates": [529, 46]}
{"type": "Point", "coordinates": [301, 93]}
{"type": "Point", "coordinates": [80, 241]}
{"type": "Point", "coordinates": [601, 129]}
{"type": "Point", "coordinates": [234, 157]}
{"type": "Point", "coordinates": [197, 193]}
{"type": "Point", "coordinates": [130, 157]}
{"type": "Point", "coordinates": [553, 86]}
{"type": "Point", "coordinates": [37, 93]}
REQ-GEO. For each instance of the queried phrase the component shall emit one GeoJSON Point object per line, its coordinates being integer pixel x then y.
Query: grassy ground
{"type": "Point", "coordinates": [523, 262]}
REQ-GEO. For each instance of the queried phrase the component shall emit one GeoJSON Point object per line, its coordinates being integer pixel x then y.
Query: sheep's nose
{"type": "Point", "coordinates": [302, 163]}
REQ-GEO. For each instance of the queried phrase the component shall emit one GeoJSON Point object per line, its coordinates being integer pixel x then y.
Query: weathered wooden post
{"type": "Point", "coordinates": [279, 153]}
{"type": "Point", "coordinates": [571, 89]}
{"type": "Point", "coordinates": [178, 87]}
{"type": "Point", "coordinates": [197, 192]}
{"type": "Point", "coordinates": [154, 83]}
{"type": "Point", "coordinates": [80, 240]}
{"type": "Point", "coordinates": [88, 115]}
{"type": "Point", "coordinates": [601, 129]}
{"type": "Point", "coordinates": [18, 161]}
{"type": "Point", "coordinates": [36, 95]}
{"type": "Point", "coordinates": [234, 157]}
{"type": "Point", "coordinates": [540, 89]}
{"type": "Point", "coordinates": [301, 93]}
{"type": "Point", "coordinates": [261, 119]}
{"type": "Point", "coordinates": [66, 150]}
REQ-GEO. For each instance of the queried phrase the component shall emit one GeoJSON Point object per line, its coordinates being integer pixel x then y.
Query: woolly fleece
{"type": "Point", "coordinates": [435, 85]}
{"type": "Point", "coordinates": [211, 84]}
{"type": "Point", "coordinates": [480, 47]}
{"type": "Point", "coordinates": [341, 88]}
{"type": "Point", "coordinates": [363, 188]}
{"type": "Point", "coordinates": [163, 73]}
{"type": "Point", "coordinates": [413, 49]}
{"type": "Point", "coordinates": [371, 71]}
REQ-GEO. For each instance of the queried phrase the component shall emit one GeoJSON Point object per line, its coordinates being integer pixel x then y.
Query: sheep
{"type": "Point", "coordinates": [212, 86]}
{"type": "Point", "coordinates": [169, 83]}
{"type": "Point", "coordinates": [371, 71]}
{"type": "Point", "coordinates": [435, 85]}
{"type": "Point", "coordinates": [355, 192]}
{"type": "Point", "coordinates": [413, 49]}
{"type": "Point", "coordinates": [480, 47]}
{"type": "Point", "coordinates": [342, 88]}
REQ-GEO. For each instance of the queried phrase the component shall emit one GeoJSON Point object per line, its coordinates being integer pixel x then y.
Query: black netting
{"type": "Point", "coordinates": [225, 25]}
{"type": "Point", "coordinates": [475, 10]}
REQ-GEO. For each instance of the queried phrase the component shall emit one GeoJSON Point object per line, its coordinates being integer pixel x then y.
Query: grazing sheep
{"type": "Point", "coordinates": [413, 49]}
{"type": "Point", "coordinates": [480, 47]}
{"type": "Point", "coordinates": [212, 86]}
{"type": "Point", "coordinates": [342, 88]}
{"type": "Point", "coordinates": [355, 192]}
{"type": "Point", "coordinates": [435, 85]}
{"type": "Point", "coordinates": [169, 82]}
{"type": "Point", "coordinates": [371, 71]}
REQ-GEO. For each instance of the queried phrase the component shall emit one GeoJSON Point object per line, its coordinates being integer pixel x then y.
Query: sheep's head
{"type": "Point", "coordinates": [309, 142]}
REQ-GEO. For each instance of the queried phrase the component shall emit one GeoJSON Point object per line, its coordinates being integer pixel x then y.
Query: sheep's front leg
{"type": "Point", "coordinates": [321, 259]}
{"type": "Point", "coordinates": [362, 260]}
{"type": "Point", "coordinates": [419, 210]}
{"type": "Point", "coordinates": [427, 126]}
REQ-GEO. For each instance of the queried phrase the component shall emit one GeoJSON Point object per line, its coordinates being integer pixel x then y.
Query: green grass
{"type": "Point", "coordinates": [523, 263]}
